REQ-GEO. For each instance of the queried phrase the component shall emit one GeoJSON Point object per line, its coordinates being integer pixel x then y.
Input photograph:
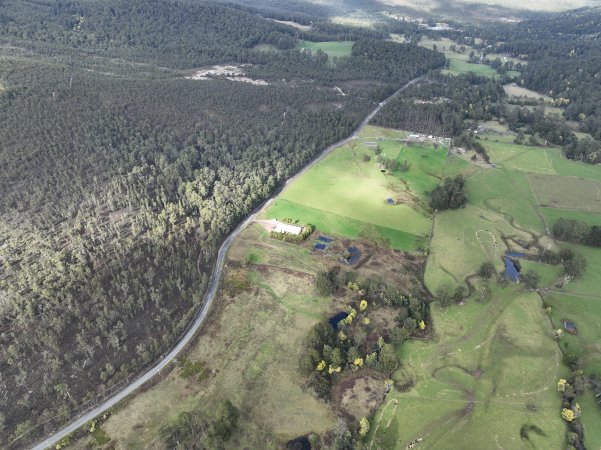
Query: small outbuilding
{"type": "Point", "coordinates": [570, 327]}
{"type": "Point", "coordinates": [288, 229]}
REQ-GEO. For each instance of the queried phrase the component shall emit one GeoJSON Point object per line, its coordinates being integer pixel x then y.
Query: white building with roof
{"type": "Point", "coordinates": [288, 229]}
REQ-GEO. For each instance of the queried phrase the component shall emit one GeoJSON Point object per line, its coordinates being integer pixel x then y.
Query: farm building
{"type": "Point", "coordinates": [288, 229]}
{"type": "Point", "coordinates": [570, 327]}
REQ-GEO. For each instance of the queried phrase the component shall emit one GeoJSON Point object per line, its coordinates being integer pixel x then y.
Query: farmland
{"type": "Point", "coordinates": [459, 58]}
{"type": "Point", "coordinates": [333, 49]}
{"type": "Point", "coordinates": [482, 372]}
{"type": "Point", "coordinates": [347, 192]}
{"type": "Point", "coordinates": [514, 90]}
{"type": "Point", "coordinates": [511, 208]}
{"type": "Point", "coordinates": [490, 364]}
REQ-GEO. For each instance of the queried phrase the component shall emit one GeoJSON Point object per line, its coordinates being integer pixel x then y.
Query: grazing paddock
{"type": "Point", "coordinates": [554, 214]}
{"type": "Point", "coordinates": [520, 157]}
{"type": "Point", "coordinates": [591, 420]}
{"type": "Point", "coordinates": [462, 240]}
{"type": "Point", "coordinates": [346, 195]}
{"type": "Point", "coordinates": [492, 369]}
{"type": "Point", "coordinates": [575, 194]}
{"type": "Point", "coordinates": [508, 193]}
{"type": "Point", "coordinates": [333, 49]}
{"type": "Point", "coordinates": [586, 314]}
{"type": "Point", "coordinates": [513, 90]}
{"type": "Point", "coordinates": [335, 224]}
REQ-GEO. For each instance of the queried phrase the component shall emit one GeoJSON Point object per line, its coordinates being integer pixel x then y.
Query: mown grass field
{"type": "Point", "coordinates": [491, 369]}
{"type": "Point", "coordinates": [337, 49]}
{"type": "Point", "coordinates": [347, 196]}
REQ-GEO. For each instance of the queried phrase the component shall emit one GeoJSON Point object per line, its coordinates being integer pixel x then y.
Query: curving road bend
{"type": "Point", "coordinates": [209, 296]}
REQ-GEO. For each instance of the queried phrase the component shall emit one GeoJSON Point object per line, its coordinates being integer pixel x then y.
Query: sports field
{"type": "Point", "coordinates": [337, 49]}
{"type": "Point", "coordinates": [345, 194]}
{"type": "Point", "coordinates": [491, 370]}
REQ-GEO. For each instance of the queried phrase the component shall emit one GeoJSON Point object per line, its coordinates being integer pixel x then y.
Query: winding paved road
{"type": "Point", "coordinates": [209, 296]}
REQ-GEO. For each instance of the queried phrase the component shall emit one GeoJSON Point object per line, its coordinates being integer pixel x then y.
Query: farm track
{"type": "Point", "coordinates": [210, 295]}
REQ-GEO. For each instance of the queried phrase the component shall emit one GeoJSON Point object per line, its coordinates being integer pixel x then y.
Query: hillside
{"type": "Point", "coordinates": [122, 169]}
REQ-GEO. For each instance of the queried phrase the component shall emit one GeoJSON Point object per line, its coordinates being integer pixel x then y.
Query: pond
{"type": "Point", "coordinates": [334, 320]}
{"type": "Point", "coordinates": [511, 271]}
{"type": "Point", "coordinates": [300, 443]}
{"type": "Point", "coordinates": [355, 254]}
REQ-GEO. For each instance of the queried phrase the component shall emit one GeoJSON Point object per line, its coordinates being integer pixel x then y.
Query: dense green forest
{"type": "Point", "coordinates": [563, 55]}
{"type": "Point", "coordinates": [442, 105]}
{"type": "Point", "coordinates": [119, 177]}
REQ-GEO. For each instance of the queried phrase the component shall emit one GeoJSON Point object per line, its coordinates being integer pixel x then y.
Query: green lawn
{"type": "Point", "coordinates": [497, 358]}
{"type": "Point", "coordinates": [331, 48]}
{"type": "Point", "coordinates": [346, 195]}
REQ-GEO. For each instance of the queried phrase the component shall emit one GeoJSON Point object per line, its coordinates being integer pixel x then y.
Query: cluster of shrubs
{"type": "Point", "coordinates": [355, 343]}
{"type": "Point", "coordinates": [450, 195]}
{"type": "Point", "coordinates": [574, 264]}
{"type": "Point", "coordinates": [576, 231]}
{"type": "Point", "coordinates": [294, 238]}
{"type": "Point", "coordinates": [570, 412]}
{"type": "Point", "coordinates": [198, 429]}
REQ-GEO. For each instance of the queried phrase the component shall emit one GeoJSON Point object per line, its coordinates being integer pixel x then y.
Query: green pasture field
{"type": "Point", "coordinates": [518, 91]}
{"type": "Point", "coordinates": [331, 48]}
{"type": "Point", "coordinates": [544, 160]}
{"type": "Point", "coordinates": [457, 67]}
{"type": "Point", "coordinates": [589, 285]}
{"type": "Point", "coordinates": [508, 193]}
{"type": "Point", "coordinates": [554, 214]}
{"type": "Point", "coordinates": [584, 312]}
{"type": "Point", "coordinates": [569, 193]}
{"type": "Point", "coordinates": [591, 418]}
{"type": "Point", "coordinates": [398, 38]}
{"type": "Point", "coordinates": [549, 274]}
{"type": "Point", "coordinates": [343, 194]}
{"type": "Point", "coordinates": [337, 225]}
{"type": "Point", "coordinates": [462, 240]}
{"type": "Point", "coordinates": [266, 48]}
{"type": "Point", "coordinates": [491, 369]}
{"type": "Point", "coordinates": [458, 61]}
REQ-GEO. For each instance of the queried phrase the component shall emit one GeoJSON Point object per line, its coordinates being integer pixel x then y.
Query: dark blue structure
{"type": "Point", "coordinates": [337, 318]}
{"type": "Point", "coordinates": [511, 270]}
